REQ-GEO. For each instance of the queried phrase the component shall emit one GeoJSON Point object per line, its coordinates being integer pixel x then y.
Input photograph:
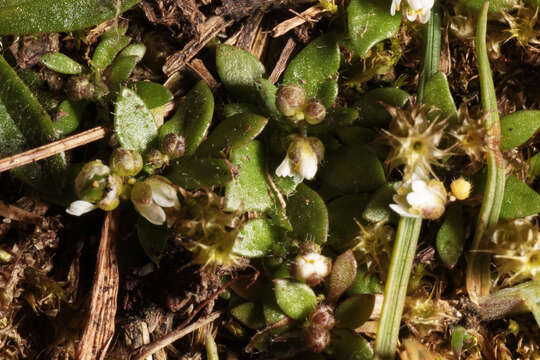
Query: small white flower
{"type": "Point", "coordinates": [312, 268]}
{"type": "Point", "coordinates": [420, 198]}
{"type": "Point", "coordinates": [153, 196]}
{"type": "Point", "coordinates": [420, 9]}
{"type": "Point", "coordinates": [302, 159]}
{"type": "Point", "coordinates": [80, 207]}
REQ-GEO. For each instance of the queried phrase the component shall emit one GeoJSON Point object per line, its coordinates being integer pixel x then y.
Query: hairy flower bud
{"type": "Point", "coordinates": [323, 316]}
{"type": "Point", "coordinates": [461, 188]}
{"type": "Point", "coordinates": [312, 268]}
{"type": "Point", "coordinates": [126, 162]}
{"type": "Point", "coordinates": [314, 112]}
{"type": "Point", "coordinates": [173, 145]}
{"type": "Point", "coordinates": [155, 159]}
{"type": "Point", "coordinates": [290, 99]}
{"type": "Point", "coordinates": [80, 88]}
{"type": "Point", "coordinates": [316, 338]}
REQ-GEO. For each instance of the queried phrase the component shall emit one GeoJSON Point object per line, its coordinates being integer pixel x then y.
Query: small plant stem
{"type": "Point", "coordinates": [478, 272]}
{"type": "Point", "coordinates": [53, 148]}
{"type": "Point", "coordinates": [408, 228]}
{"type": "Point", "coordinates": [396, 287]}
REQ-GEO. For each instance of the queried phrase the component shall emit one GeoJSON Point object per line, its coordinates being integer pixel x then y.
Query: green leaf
{"type": "Point", "coordinates": [495, 6]}
{"type": "Point", "coordinates": [153, 239]}
{"type": "Point", "coordinates": [343, 213]}
{"type": "Point", "coordinates": [107, 49]}
{"type": "Point", "coordinates": [534, 165]}
{"type": "Point", "coordinates": [437, 93]}
{"type": "Point", "coordinates": [193, 117]}
{"type": "Point", "coordinates": [233, 132]}
{"type": "Point", "coordinates": [364, 283]}
{"type": "Point", "coordinates": [239, 71]}
{"type": "Point", "coordinates": [295, 299]}
{"type": "Point", "coordinates": [133, 123]}
{"type": "Point", "coordinates": [353, 168]}
{"type": "Point", "coordinates": [451, 236]}
{"type": "Point", "coordinates": [370, 22]}
{"type": "Point", "coordinates": [458, 339]}
{"type": "Point", "coordinates": [137, 50]}
{"type": "Point", "coordinates": [61, 63]}
{"type": "Point", "coordinates": [519, 199]}
{"type": "Point", "coordinates": [196, 173]}
{"type": "Point", "coordinates": [378, 208]}
{"type": "Point", "coordinates": [354, 311]}
{"type": "Point", "coordinates": [19, 17]}
{"type": "Point", "coordinates": [121, 70]}
{"type": "Point", "coordinates": [372, 113]}
{"type": "Point", "coordinates": [308, 215]}
{"type": "Point", "coordinates": [255, 239]}
{"type": "Point", "coordinates": [342, 276]}
{"type": "Point", "coordinates": [68, 117]}
{"type": "Point", "coordinates": [314, 66]}
{"type": "Point", "coordinates": [348, 345]}
{"type": "Point", "coordinates": [250, 314]}
{"type": "Point", "coordinates": [250, 190]}
{"type": "Point", "coordinates": [272, 312]}
{"type": "Point", "coordinates": [153, 94]}
{"type": "Point", "coordinates": [519, 127]}
{"type": "Point", "coordinates": [350, 135]}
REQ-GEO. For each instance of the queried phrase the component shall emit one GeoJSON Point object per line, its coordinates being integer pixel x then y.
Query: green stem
{"type": "Point", "coordinates": [478, 272]}
{"type": "Point", "coordinates": [396, 287]}
{"type": "Point", "coordinates": [408, 228]}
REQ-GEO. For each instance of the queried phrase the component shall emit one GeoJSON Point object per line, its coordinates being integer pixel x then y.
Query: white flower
{"type": "Point", "coordinates": [312, 268]}
{"type": "Point", "coordinates": [420, 198]}
{"type": "Point", "coordinates": [80, 207]}
{"type": "Point", "coordinates": [153, 196]}
{"type": "Point", "coordinates": [302, 159]}
{"type": "Point", "coordinates": [420, 9]}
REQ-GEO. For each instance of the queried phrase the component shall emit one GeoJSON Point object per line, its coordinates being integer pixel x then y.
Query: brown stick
{"type": "Point", "coordinates": [198, 67]}
{"type": "Point", "coordinates": [281, 64]}
{"type": "Point", "coordinates": [99, 328]}
{"type": "Point", "coordinates": [175, 335]}
{"type": "Point", "coordinates": [16, 213]}
{"type": "Point", "coordinates": [288, 25]}
{"type": "Point", "coordinates": [53, 148]}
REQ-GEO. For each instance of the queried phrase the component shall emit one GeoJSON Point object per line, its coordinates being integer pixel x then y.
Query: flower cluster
{"type": "Point", "coordinates": [416, 9]}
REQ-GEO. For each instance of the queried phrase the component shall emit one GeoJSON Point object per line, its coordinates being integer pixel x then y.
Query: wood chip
{"type": "Point", "coordinates": [191, 12]}
{"type": "Point", "coordinates": [198, 67]}
{"type": "Point", "coordinates": [311, 14]}
{"type": "Point", "coordinates": [179, 59]}
{"type": "Point", "coordinates": [281, 64]}
{"type": "Point", "coordinates": [53, 148]}
{"type": "Point", "coordinates": [100, 325]}
{"type": "Point", "coordinates": [249, 31]}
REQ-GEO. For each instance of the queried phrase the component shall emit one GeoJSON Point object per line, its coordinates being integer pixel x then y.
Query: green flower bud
{"type": "Point", "coordinates": [126, 162]}
{"type": "Point", "coordinates": [314, 112]}
{"type": "Point", "coordinates": [80, 88]}
{"type": "Point", "coordinates": [290, 99]}
{"type": "Point", "coordinates": [173, 145]}
{"type": "Point", "coordinates": [113, 189]}
{"type": "Point", "coordinates": [91, 182]}
{"type": "Point", "coordinates": [303, 157]}
{"type": "Point", "coordinates": [155, 159]}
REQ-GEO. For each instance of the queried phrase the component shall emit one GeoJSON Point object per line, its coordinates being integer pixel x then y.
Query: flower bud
{"type": "Point", "coordinates": [314, 112]}
{"type": "Point", "coordinates": [91, 182]}
{"type": "Point", "coordinates": [323, 316]}
{"type": "Point", "coordinates": [152, 196]}
{"type": "Point", "coordinates": [316, 338]}
{"type": "Point", "coordinates": [113, 189]}
{"type": "Point", "coordinates": [173, 145]}
{"type": "Point", "coordinates": [290, 99]}
{"type": "Point", "coordinates": [155, 159]}
{"type": "Point", "coordinates": [421, 199]}
{"type": "Point", "coordinates": [461, 188]}
{"type": "Point", "coordinates": [80, 88]}
{"type": "Point", "coordinates": [312, 268]}
{"type": "Point", "coordinates": [303, 157]}
{"type": "Point", "coordinates": [126, 162]}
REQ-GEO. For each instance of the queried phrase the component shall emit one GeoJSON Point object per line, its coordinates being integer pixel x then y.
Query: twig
{"type": "Point", "coordinates": [198, 67]}
{"type": "Point", "coordinates": [99, 328]}
{"type": "Point", "coordinates": [175, 335]}
{"type": "Point", "coordinates": [288, 25]}
{"type": "Point", "coordinates": [281, 64]}
{"type": "Point", "coordinates": [16, 213]}
{"type": "Point", "coordinates": [53, 148]}
{"type": "Point", "coordinates": [249, 31]}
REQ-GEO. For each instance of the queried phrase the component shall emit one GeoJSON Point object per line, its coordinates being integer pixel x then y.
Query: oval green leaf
{"type": "Point", "coordinates": [295, 299]}
{"type": "Point", "coordinates": [68, 117]}
{"type": "Point", "coordinates": [153, 94]}
{"type": "Point", "coordinates": [370, 22]}
{"type": "Point", "coordinates": [61, 63]}
{"type": "Point", "coordinates": [308, 215]}
{"type": "Point", "coordinates": [120, 71]}
{"type": "Point", "coordinates": [451, 236]}
{"type": "Point", "coordinates": [314, 66]}
{"type": "Point", "coordinates": [342, 276]}
{"type": "Point", "coordinates": [519, 199]}
{"type": "Point", "coordinates": [107, 49]}
{"type": "Point", "coordinates": [250, 314]}
{"type": "Point", "coordinates": [153, 239]}
{"type": "Point", "coordinates": [255, 239]}
{"type": "Point", "coordinates": [343, 213]}
{"type": "Point", "coordinates": [364, 283]}
{"type": "Point", "coordinates": [372, 113]}
{"type": "Point", "coordinates": [437, 94]}
{"type": "Point", "coordinates": [519, 127]}
{"type": "Point", "coordinates": [239, 71]}
{"type": "Point", "coordinates": [353, 168]}
{"type": "Point", "coordinates": [196, 173]}
{"type": "Point", "coordinates": [377, 208]}
{"type": "Point", "coordinates": [495, 6]}
{"type": "Point", "coordinates": [534, 165]}
{"type": "Point", "coordinates": [354, 311]}
{"type": "Point", "coordinates": [133, 123]}
{"type": "Point", "coordinates": [348, 345]}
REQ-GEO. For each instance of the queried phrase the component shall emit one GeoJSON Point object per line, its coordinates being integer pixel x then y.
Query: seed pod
{"type": "Point", "coordinates": [80, 88]}
{"type": "Point", "coordinates": [125, 162]}
{"type": "Point", "coordinates": [173, 145]}
{"type": "Point", "coordinates": [290, 99]}
{"type": "Point", "coordinates": [314, 112]}
{"type": "Point", "coordinates": [316, 338]}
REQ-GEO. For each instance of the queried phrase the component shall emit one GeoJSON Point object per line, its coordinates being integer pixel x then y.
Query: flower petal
{"type": "Point", "coordinates": [80, 207]}
{"type": "Point", "coordinates": [401, 211]}
{"type": "Point", "coordinates": [163, 193]}
{"type": "Point", "coordinates": [285, 168]}
{"type": "Point", "coordinates": [153, 213]}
